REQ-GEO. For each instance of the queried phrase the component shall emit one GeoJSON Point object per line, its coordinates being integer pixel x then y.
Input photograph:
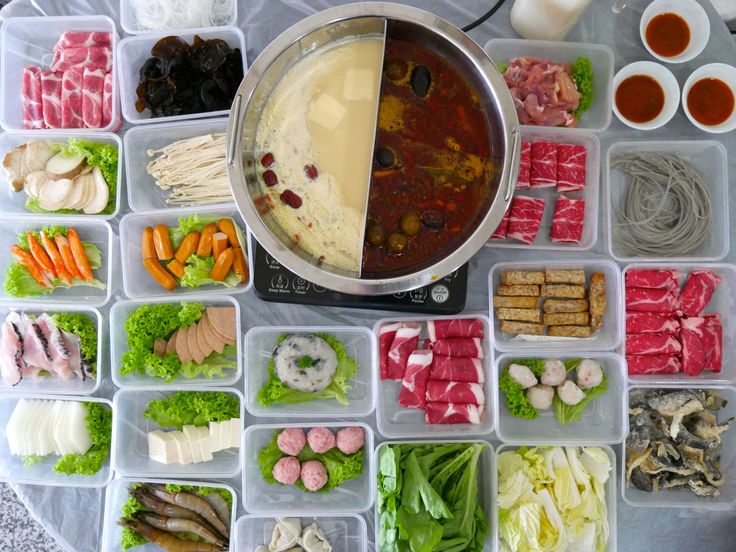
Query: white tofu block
{"type": "Point", "coordinates": [234, 433]}
{"type": "Point", "coordinates": [192, 436]}
{"type": "Point", "coordinates": [215, 437]}
{"type": "Point", "coordinates": [162, 447]}
{"type": "Point", "coordinates": [360, 84]}
{"type": "Point", "coordinates": [326, 111]}
{"type": "Point", "coordinates": [183, 449]}
{"type": "Point", "coordinates": [204, 443]}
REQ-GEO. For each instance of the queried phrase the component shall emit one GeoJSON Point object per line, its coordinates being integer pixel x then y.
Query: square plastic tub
{"type": "Point", "coordinates": [54, 385]}
{"type": "Point", "coordinates": [606, 338]}
{"type": "Point", "coordinates": [116, 495]}
{"type": "Point", "coordinates": [138, 283]}
{"type": "Point", "coordinates": [11, 467]}
{"type": "Point", "coordinates": [259, 497]}
{"type": "Point", "coordinates": [603, 421]}
{"type": "Point", "coordinates": [550, 195]}
{"type": "Point", "coordinates": [130, 24]}
{"type": "Point", "coordinates": [684, 498]}
{"type": "Point", "coordinates": [30, 41]}
{"type": "Point", "coordinates": [396, 422]}
{"type": "Point", "coordinates": [145, 195]}
{"type": "Point", "coordinates": [119, 315]}
{"type": "Point", "coordinates": [598, 117]}
{"type": "Point", "coordinates": [344, 532]}
{"type": "Point", "coordinates": [723, 302]}
{"type": "Point", "coordinates": [133, 51]}
{"type": "Point", "coordinates": [710, 159]}
{"type": "Point", "coordinates": [96, 232]}
{"type": "Point", "coordinates": [610, 489]}
{"type": "Point", "coordinates": [486, 483]}
{"type": "Point", "coordinates": [130, 453]}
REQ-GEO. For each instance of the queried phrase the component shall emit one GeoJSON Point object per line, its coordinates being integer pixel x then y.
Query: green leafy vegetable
{"type": "Point", "coordinates": [515, 395]}
{"type": "Point", "coordinates": [305, 362]}
{"type": "Point", "coordinates": [502, 67]}
{"type": "Point", "coordinates": [101, 155]}
{"type": "Point", "coordinates": [19, 283]}
{"type": "Point", "coordinates": [99, 425]}
{"type": "Point", "coordinates": [214, 366]}
{"type": "Point", "coordinates": [34, 204]}
{"type": "Point", "coordinates": [275, 391]}
{"type": "Point", "coordinates": [567, 414]}
{"type": "Point", "coordinates": [188, 225]}
{"type": "Point", "coordinates": [31, 460]}
{"type": "Point", "coordinates": [193, 407]}
{"type": "Point", "coordinates": [197, 273]}
{"type": "Point", "coordinates": [582, 74]}
{"type": "Point", "coordinates": [50, 231]}
{"type": "Point", "coordinates": [84, 327]}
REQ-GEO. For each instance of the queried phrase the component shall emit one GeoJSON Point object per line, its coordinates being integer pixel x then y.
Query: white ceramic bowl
{"type": "Point", "coordinates": [693, 13]}
{"type": "Point", "coordinates": [720, 71]}
{"type": "Point", "coordinates": [664, 77]}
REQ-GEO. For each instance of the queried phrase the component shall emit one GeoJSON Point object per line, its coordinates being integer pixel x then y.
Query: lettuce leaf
{"type": "Point", "coordinates": [99, 425]}
{"type": "Point", "coordinates": [193, 407]}
{"type": "Point", "coordinates": [567, 414]}
{"type": "Point", "coordinates": [197, 273]}
{"type": "Point", "coordinates": [214, 366]}
{"type": "Point", "coordinates": [582, 74]}
{"type": "Point", "coordinates": [84, 327]}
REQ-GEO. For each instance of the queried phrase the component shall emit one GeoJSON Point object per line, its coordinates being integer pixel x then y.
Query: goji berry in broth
{"type": "Point", "coordinates": [270, 178]}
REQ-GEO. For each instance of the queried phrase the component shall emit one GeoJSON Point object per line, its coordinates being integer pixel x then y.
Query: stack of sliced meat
{"type": "Point", "coordinates": [666, 329]}
{"type": "Point", "coordinates": [445, 378]}
{"type": "Point", "coordinates": [547, 165]}
{"type": "Point", "coordinates": [195, 343]}
{"type": "Point", "coordinates": [76, 91]}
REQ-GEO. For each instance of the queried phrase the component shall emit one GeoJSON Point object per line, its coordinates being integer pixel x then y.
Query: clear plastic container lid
{"type": "Point", "coordinates": [131, 25]}
{"type": "Point", "coordinates": [355, 495]}
{"type": "Point", "coordinates": [42, 473]}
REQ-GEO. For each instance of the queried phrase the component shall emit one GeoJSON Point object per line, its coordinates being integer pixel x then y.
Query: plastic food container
{"type": "Point", "coordinates": [54, 385]}
{"type": "Point", "coordinates": [709, 158]}
{"type": "Point", "coordinates": [133, 51]}
{"type": "Point", "coordinates": [146, 195]}
{"type": "Point", "coordinates": [684, 498]}
{"type": "Point", "coordinates": [610, 488]}
{"type": "Point", "coordinates": [724, 303]}
{"type": "Point", "coordinates": [138, 283]}
{"type": "Point", "coordinates": [260, 343]}
{"type": "Point", "coordinates": [353, 496]}
{"type": "Point", "coordinates": [604, 420]}
{"type": "Point", "coordinates": [130, 23]}
{"type": "Point", "coordinates": [130, 430]}
{"type": "Point", "coordinates": [344, 532]}
{"type": "Point", "coordinates": [397, 422]}
{"type": "Point", "coordinates": [598, 117]}
{"type": "Point", "coordinates": [30, 41]}
{"type": "Point", "coordinates": [116, 495]}
{"type": "Point", "coordinates": [11, 467]}
{"type": "Point", "coordinates": [486, 483]}
{"type": "Point", "coordinates": [606, 338]}
{"type": "Point", "coordinates": [14, 203]}
{"type": "Point", "coordinates": [119, 315]}
{"type": "Point", "coordinates": [96, 232]}
{"type": "Point", "coordinates": [550, 195]}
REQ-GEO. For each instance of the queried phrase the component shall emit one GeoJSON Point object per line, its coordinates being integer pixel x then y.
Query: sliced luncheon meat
{"type": "Point", "coordinates": [455, 327]}
{"type": "Point", "coordinates": [570, 168]}
{"type": "Point", "coordinates": [204, 346]}
{"type": "Point", "coordinates": [651, 278]}
{"type": "Point", "coordinates": [386, 335]}
{"type": "Point", "coordinates": [650, 322]}
{"type": "Point", "coordinates": [159, 347]}
{"type": "Point", "coordinates": [543, 171]}
{"type": "Point", "coordinates": [650, 300]}
{"type": "Point", "coordinates": [568, 220]}
{"type": "Point", "coordinates": [414, 385]}
{"type": "Point", "coordinates": [182, 346]}
{"type": "Point", "coordinates": [197, 353]}
{"type": "Point", "coordinates": [223, 322]}
{"type": "Point", "coordinates": [697, 292]}
{"type": "Point", "coordinates": [405, 341]}
{"type": "Point", "coordinates": [452, 413]}
{"type": "Point", "coordinates": [467, 347]}
{"type": "Point", "coordinates": [455, 392]}
{"type": "Point", "coordinates": [652, 364]}
{"type": "Point", "coordinates": [525, 218]}
{"type": "Point", "coordinates": [457, 369]}
{"type": "Point", "coordinates": [171, 344]}
{"type": "Point", "coordinates": [214, 342]}
{"type": "Point", "coordinates": [652, 344]}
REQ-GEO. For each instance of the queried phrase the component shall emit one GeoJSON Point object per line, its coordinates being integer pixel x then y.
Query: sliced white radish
{"type": "Point", "coordinates": [46, 429]}
{"type": "Point", "coordinates": [57, 427]}
{"type": "Point", "coordinates": [34, 182]}
{"type": "Point", "coordinates": [64, 166]}
{"type": "Point", "coordinates": [15, 428]}
{"type": "Point", "coordinates": [101, 194]}
{"type": "Point", "coordinates": [54, 194]}
{"type": "Point", "coordinates": [79, 439]}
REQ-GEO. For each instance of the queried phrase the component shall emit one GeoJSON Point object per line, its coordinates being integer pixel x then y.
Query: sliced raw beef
{"type": "Point", "coordinates": [570, 168]}
{"type": "Point", "coordinates": [455, 327]}
{"type": "Point", "coordinates": [386, 335]}
{"type": "Point", "coordinates": [92, 57]}
{"type": "Point", "coordinates": [650, 300]}
{"type": "Point", "coordinates": [649, 322]}
{"type": "Point", "coordinates": [525, 219]}
{"type": "Point", "coordinates": [71, 99]}
{"type": "Point", "coordinates": [83, 39]}
{"type": "Point", "coordinates": [466, 347]}
{"type": "Point", "coordinates": [697, 292]}
{"type": "Point", "coordinates": [457, 369]}
{"type": "Point", "coordinates": [652, 344]}
{"type": "Point", "coordinates": [525, 164]}
{"type": "Point", "coordinates": [414, 384]}
{"type": "Point", "coordinates": [51, 98]}
{"type": "Point", "coordinates": [568, 220]}
{"type": "Point", "coordinates": [32, 97]}
{"type": "Point", "coordinates": [693, 353]}
{"type": "Point", "coordinates": [713, 342]}
{"type": "Point", "coordinates": [405, 341]}
{"type": "Point", "coordinates": [455, 392]}
{"type": "Point", "coordinates": [500, 233]}
{"type": "Point", "coordinates": [107, 101]}
{"type": "Point", "coordinates": [652, 364]}
{"type": "Point", "coordinates": [543, 171]}
{"type": "Point", "coordinates": [650, 278]}
{"type": "Point", "coordinates": [452, 413]}
{"type": "Point", "coordinates": [93, 83]}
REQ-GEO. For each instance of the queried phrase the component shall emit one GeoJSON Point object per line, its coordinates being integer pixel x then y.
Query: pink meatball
{"type": "Point", "coordinates": [286, 470]}
{"type": "Point", "coordinates": [291, 441]}
{"type": "Point", "coordinates": [314, 475]}
{"type": "Point", "coordinates": [350, 440]}
{"type": "Point", "coordinates": [321, 439]}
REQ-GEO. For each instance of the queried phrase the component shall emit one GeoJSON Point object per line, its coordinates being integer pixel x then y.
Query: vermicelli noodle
{"type": "Point", "coordinates": [153, 15]}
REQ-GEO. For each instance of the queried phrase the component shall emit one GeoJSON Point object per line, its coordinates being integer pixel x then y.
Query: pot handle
{"type": "Point", "coordinates": [515, 160]}
{"type": "Point", "coordinates": [234, 129]}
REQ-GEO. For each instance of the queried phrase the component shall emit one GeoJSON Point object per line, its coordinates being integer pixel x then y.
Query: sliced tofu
{"type": "Point", "coordinates": [171, 344]}
{"type": "Point", "coordinates": [215, 443]}
{"type": "Point", "coordinates": [222, 320]}
{"type": "Point", "coordinates": [162, 447]}
{"type": "Point", "coordinates": [192, 436]}
{"type": "Point", "coordinates": [197, 353]}
{"type": "Point", "coordinates": [326, 111]}
{"type": "Point", "coordinates": [183, 450]}
{"type": "Point", "coordinates": [360, 84]}
{"type": "Point", "coordinates": [210, 336]}
{"type": "Point", "coordinates": [233, 432]}
{"type": "Point", "coordinates": [182, 346]}
{"type": "Point", "coordinates": [204, 345]}
{"type": "Point", "coordinates": [205, 443]}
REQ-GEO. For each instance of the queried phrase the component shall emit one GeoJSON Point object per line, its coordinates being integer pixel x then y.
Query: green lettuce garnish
{"type": "Point", "coordinates": [197, 273]}
{"type": "Point", "coordinates": [193, 408]}
{"type": "Point", "coordinates": [582, 74]}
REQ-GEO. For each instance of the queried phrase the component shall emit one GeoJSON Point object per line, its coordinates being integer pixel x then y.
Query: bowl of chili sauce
{"type": "Point", "coordinates": [674, 31]}
{"type": "Point", "coordinates": [646, 95]}
{"type": "Point", "coordinates": [709, 98]}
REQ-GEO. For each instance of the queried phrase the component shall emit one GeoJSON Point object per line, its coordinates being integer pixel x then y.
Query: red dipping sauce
{"type": "Point", "coordinates": [710, 101]}
{"type": "Point", "coordinates": [668, 34]}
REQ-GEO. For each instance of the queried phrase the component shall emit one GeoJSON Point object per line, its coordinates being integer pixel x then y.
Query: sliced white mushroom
{"type": "Point", "coordinates": [36, 156]}
{"type": "Point", "coordinates": [34, 182]}
{"type": "Point", "coordinates": [64, 166]}
{"type": "Point", "coordinates": [87, 182]}
{"type": "Point", "coordinates": [285, 535]}
{"type": "Point", "coordinates": [101, 193]}
{"type": "Point", "coordinates": [78, 191]}
{"type": "Point", "coordinates": [54, 194]}
{"type": "Point", "coordinates": [13, 167]}
{"type": "Point", "coordinates": [314, 540]}
{"type": "Point", "coordinates": [262, 548]}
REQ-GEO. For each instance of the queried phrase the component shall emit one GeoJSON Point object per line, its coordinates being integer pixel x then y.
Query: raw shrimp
{"type": "Point", "coordinates": [215, 500]}
{"type": "Point", "coordinates": [53, 251]}
{"type": "Point", "coordinates": [178, 525]}
{"type": "Point", "coordinates": [66, 255]}
{"type": "Point", "coordinates": [162, 508]}
{"type": "Point", "coordinates": [27, 260]}
{"type": "Point", "coordinates": [166, 541]}
{"type": "Point", "coordinates": [40, 256]}
{"type": "Point", "coordinates": [80, 256]}
{"type": "Point", "coordinates": [190, 502]}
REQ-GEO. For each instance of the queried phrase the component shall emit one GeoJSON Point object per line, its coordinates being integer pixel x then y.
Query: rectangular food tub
{"type": "Point", "coordinates": [684, 498]}
{"type": "Point", "coordinates": [116, 495]}
{"type": "Point", "coordinates": [708, 157]}
{"type": "Point", "coordinates": [598, 117]}
{"type": "Point", "coordinates": [54, 385]}
{"type": "Point", "coordinates": [605, 339]}
{"type": "Point", "coordinates": [590, 193]}
{"type": "Point", "coordinates": [130, 454]}
{"type": "Point", "coordinates": [486, 483]}
{"type": "Point", "coordinates": [42, 473]}
{"type": "Point", "coordinates": [259, 497]}
{"type": "Point", "coordinates": [119, 315]}
{"type": "Point", "coordinates": [723, 302]}
{"type": "Point", "coordinates": [133, 51]}
{"type": "Point", "coordinates": [603, 421]}
{"type": "Point", "coordinates": [138, 284]}
{"type": "Point", "coordinates": [610, 488]}
{"type": "Point", "coordinates": [344, 532]}
{"type": "Point", "coordinates": [130, 23]}
{"type": "Point", "coordinates": [14, 203]}
{"type": "Point", "coordinates": [145, 195]}
{"type": "Point", "coordinates": [30, 41]}
{"type": "Point", "coordinates": [96, 232]}
{"type": "Point", "coordinates": [397, 422]}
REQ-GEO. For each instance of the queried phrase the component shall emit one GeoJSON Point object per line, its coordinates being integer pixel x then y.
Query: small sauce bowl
{"type": "Point", "coordinates": [666, 80]}
{"type": "Point", "coordinates": [696, 18]}
{"type": "Point", "coordinates": [722, 72]}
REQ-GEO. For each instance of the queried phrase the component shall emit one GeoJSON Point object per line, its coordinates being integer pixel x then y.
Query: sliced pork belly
{"type": "Point", "coordinates": [455, 327]}
{"type": "Point", "coordinates": [503, 227]}
{"type": "Point", "coordinates": [693, 352]}
{"type": "Point", "coordinates": [51, 98]}
{"type": "Point", "coordinates": [652, 344]}
{"type": "Point", "coordinates": [11, 354]}
{"type": "Point", "coordinates": [32, 97]}
{"type": "Point", "coordinates": [522, 181]}
{"type": "Point", "coordinates": [570, 168]}
{"type": "Point", "coordinates": [568, 220]}
{"type": "Point", "coordinates": [650, 322]}
{"type": "Point", "coordinates": [713, 342]}
{"type": "Point", "coordinates": [653, 278]}
{"type": "Point", "coordinates": [697, 292]}
{"type": "Point", "coordinates": [525, 218]}
{"type": "Point", "coordinates": [455, 392]}
{"type": "Point", "coordinates": [457, 369]}
{"type": "Point", "coordinates": [386, 335]}
{"type": "Point", "coordinates": [414, 384]}
{"type": "Point", "coordinates": [466, 347]}
{"type": "Point", "coordinates": [543, 171]}
{"type": "Point", "coordinates": [650, 300]}
{"type": "Point", "coordinates": [652, 364]}
{"type": "Point", "coordinates": [452, 413]}
{"type": "Point", "coordinates": [405, 341]}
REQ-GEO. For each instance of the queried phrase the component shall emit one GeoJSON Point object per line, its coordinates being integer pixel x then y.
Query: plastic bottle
{"type": "Point", "coordinates": [546, 19]}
